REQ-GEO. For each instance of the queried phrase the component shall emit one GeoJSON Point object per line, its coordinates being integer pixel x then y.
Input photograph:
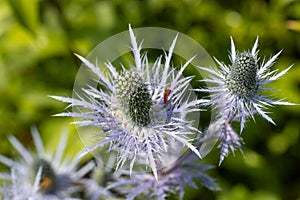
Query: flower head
{"type": "Point", "coordinates": [237, 93]}
{"type": "Point", "coordinates": [42, 175]}
{"type": "Point", "coordinates": [242, 79]}
{"type": "Point", "coordinates": [134, 98]}
{"type": "Point", "coordinates": [139, 111]}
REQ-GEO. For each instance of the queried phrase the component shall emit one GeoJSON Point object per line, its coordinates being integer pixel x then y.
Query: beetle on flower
{"type": "Point", "coordinates": [140, 111]}
{"type": "Point", "coordinates": [43, 175]}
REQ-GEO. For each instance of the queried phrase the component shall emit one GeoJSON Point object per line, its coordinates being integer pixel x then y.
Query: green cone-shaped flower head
{"type": "Point", "coordinates": [242, 77]}
{"type": "Point", "coordinates": [134, 97]}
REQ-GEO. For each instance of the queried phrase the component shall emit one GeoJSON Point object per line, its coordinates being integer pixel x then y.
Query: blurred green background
{"type": "Point", "coordinates": [38, 39]}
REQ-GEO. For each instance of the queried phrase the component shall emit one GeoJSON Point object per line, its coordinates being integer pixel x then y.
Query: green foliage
{"type": "Point", "coordinates": [26, 11]}
{"type": "Point", "coordinates": [38, 39]}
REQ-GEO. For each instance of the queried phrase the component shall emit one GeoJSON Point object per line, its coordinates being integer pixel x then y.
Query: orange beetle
{"type": "Point", "coordinates": [166, 95]}
{"type": "Point", "coordinates": [46, 183]}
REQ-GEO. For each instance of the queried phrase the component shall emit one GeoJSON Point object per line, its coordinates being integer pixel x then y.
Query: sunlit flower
{"type": "Point", "coordinates": [237, 93]}
{"type": "Point", "coordinates": [139, 111]}
{"type": "Point", "coordinates": [172, 181]}
{"type": "Point", "coordinates": [42, 175]}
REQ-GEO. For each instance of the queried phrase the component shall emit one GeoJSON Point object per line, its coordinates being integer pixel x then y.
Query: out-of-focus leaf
{"type": "Point", "coordinates": [27, 13]}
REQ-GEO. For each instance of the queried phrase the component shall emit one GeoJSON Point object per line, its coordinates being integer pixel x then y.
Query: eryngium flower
{"type": "Point", "coordinates": [237, 93]}
{"type": "Point", "coordinates": [42, 175]}
{"type": "Point", "coordinates": [139, 111]}
{"type": "Point", "coordinates": [172, 181]}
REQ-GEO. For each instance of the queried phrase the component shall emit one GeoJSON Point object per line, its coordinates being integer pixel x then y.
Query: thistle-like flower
{"type": "Point", "coordinates": [42, 175]}
{"type": "Point", "coordinates": [139, 111]}
{"type": "Point", "coordinates": [237, 93]}
{"type": "Point", "coordinates": [172, 180]}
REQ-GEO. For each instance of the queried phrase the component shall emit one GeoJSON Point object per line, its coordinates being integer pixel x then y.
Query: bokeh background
{"type": "Point", "coordinates": [38, 39]}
